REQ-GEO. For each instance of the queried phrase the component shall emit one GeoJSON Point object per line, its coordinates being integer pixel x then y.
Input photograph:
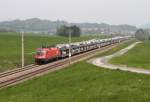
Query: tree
{"type": "Point", "coordinates": [142, 34]}
{"type": "Point", "coordinates": [75, 31]}
{"type": "Point", "coordinates": [62, 31]}
{"type": "Point", "coordinates": [65, 30]}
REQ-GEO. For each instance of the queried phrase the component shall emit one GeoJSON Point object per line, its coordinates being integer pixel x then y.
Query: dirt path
{"type": "Point", "coordinates": [103, 61]}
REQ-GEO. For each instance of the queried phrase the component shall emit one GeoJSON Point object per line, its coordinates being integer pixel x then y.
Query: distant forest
{"type": "Point", "coordinates": [46, 26]}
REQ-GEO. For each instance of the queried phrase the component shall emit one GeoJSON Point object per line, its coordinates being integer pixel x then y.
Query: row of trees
{"type": "Point", "coordinates": [7, 30]}
{"type": "Point", "coordinates": [65, 30]}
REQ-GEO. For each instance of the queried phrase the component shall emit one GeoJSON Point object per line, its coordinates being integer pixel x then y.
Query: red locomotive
{"type": "Point", "coordinates": [47, 54]}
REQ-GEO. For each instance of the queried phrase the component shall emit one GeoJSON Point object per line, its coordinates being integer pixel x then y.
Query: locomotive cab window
{"type": "Point", "coordinates": [41, 52]}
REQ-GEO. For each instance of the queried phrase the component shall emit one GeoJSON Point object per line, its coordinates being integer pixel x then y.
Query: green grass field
{"type": "Point", "coordinates": [82, 82]}
{"type": "Point", "coordinates": [10, 47]}
{"type": "Point", "coordinates": [139, 56]}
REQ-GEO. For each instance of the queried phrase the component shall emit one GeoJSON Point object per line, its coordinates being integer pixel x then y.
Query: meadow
{"type": "Point", "coordinates": [82, 82]}
{"type": "Point", "coordinates": [10, 47]}
{"type": "Point", "coordinates": [138, 57]}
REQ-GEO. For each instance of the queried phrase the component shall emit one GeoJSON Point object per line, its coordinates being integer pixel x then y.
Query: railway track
{"type": "Point", "coordinates": [18, 75]}
{"type": "Point", "coordinates": [10, 72]}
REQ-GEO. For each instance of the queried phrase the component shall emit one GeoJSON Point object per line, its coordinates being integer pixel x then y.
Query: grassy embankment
{"type": "Point", "coordinates": [138, 57]}
{"type": "Point", "coordinates": [82, 82]}
{"type": "Point", "coordinates": [10, 47]}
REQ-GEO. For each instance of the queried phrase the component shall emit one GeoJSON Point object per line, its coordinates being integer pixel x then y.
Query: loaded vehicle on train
{"type": "Point", "coordinates": [61, 51]}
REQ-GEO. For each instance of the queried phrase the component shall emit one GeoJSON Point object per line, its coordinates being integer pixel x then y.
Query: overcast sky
{"type": "Point", "coordinates": [135, 12]}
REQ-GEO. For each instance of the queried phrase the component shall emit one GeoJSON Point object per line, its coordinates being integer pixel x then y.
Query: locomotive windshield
{"type": "Point", "coordinates": [41, 52]}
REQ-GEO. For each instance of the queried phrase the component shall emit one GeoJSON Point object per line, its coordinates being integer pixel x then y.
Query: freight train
{"type": "Point", "coordinates": [61, 51]}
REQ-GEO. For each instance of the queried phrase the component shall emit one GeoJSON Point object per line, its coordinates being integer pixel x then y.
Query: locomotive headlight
{"type": "Point", "coordinates": [43, 52]}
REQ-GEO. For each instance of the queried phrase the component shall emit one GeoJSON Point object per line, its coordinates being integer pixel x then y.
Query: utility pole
{"type": "Point", "coordinates": [69, 46]}
{"type": "Point", "coordinates": [22, 34]}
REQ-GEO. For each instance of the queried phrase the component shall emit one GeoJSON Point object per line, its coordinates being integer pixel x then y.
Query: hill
{"type": "Point", "coordinates": [146, 26]}
{"type": "Point", "coordinates": [47, 26]}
